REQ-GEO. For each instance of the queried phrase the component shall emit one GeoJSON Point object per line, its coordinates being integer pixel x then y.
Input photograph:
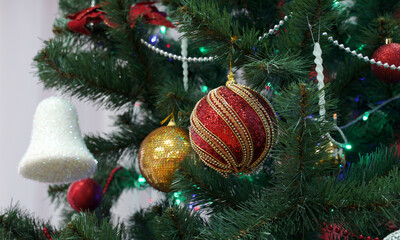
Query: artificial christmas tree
{"type": "Point", "coordinates": [116, 55]}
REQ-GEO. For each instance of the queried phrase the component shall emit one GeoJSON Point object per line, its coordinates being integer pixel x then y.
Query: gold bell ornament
{"type": "Point", "coordinates": [57, 152]}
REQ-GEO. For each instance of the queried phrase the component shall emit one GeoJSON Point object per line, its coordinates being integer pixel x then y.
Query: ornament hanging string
{"type": "Point", "coordinates": [170, 116]}
{"type": "Point", "coordinates": [231, 76]}
{"type": "Point", "coordinates": [110, 179]}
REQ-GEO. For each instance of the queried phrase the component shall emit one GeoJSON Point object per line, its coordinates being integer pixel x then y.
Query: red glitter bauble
{"type": "Point", "coordinates": [390, 54]}
{"type": "Point", "coordinates": [232, 129]}
{"type": "Point", "coordinates": [85, 194]}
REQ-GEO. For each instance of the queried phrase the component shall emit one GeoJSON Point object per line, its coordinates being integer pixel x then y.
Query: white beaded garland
{"type": "Point", "coordinates": [206, 59]}
{"type": "Point", "coordinates": [275, 28]}
{"type": "Point", "coordinates": [174, 56]}
{"type": "Point", "coordinates": [360, 56]}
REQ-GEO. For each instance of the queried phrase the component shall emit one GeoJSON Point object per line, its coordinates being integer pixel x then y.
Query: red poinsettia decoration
{"type": "Point", "coordinates": [80, 19]}
{"type": "Point", "coordinates": [149, 15]}
{"type": "Point", "coordinates": [95, 15]}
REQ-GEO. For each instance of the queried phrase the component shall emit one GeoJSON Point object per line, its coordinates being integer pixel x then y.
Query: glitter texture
{"type": "Point", "coordinates": [393, 236]}
{"type": "Point", "coordinates": [389, 53]}
{"type": "Point", "coordinates": [57, 152]}
{"type": "Point", "coordinates": [232, 129]}
{"type": "Point", "coordinates": [160, 154]}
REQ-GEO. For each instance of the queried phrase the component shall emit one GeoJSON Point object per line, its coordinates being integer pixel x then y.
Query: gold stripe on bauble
{"type": "Point", "coordinates": [262, 114]}
{"type": "Point", "coordinates": [237, 126]}
{"type": "Point", "coordinates": [218, 145]}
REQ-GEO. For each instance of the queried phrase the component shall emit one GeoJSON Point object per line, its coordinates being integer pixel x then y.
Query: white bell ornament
{"type": "Point", "coordinates": [57, 152]}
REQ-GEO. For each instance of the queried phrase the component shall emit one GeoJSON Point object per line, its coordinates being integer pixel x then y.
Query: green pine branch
{"type": "Point", "coordinates": [87, 226]}
{"type": "Point", "coordinates": [205, 187]}
{"type": "Point", "coordinates": [21, 225]}
{"type": "Point", "coordinates": [141, 223]}
{"type": "Point", "coordinates": [178, 223]}
{"type": "Point", "coordinates": [277, 69]}
{"type": "Point", "coordinates": [86, 75]}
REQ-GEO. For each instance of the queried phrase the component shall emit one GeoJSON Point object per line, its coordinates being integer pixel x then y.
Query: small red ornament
{"type": "Point", "coordinates": [388, 53]}
{"type": "Point", "coordinates": [85, 194]}
{"type": "Point", "coordinates": [360, 237]}
{"type": "Point", "coordinates": [330, 227]}
{"type": "Point", "coordinates": [232, 129]}
{"type": "Point", "coordinates": [368, 238]}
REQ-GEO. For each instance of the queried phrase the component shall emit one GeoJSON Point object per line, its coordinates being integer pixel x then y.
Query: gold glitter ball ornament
{"type": "Point", "coordinates": [160, 154]}
{"type": "Point", "coordinates": [336, 154]}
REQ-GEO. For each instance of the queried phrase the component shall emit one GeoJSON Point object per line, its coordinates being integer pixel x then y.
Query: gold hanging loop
{"type": "Point", "coordinates": [171, 122]}
{"type": "Point", "coordinates": [231, 76]}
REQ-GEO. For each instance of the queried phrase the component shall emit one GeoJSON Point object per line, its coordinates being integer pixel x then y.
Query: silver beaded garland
{"type": "Point", "coordinates": [360, 56]}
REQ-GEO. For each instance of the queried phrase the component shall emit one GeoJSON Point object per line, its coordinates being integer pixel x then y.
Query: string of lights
{"type": "Point", "coordinates": [367, 113]}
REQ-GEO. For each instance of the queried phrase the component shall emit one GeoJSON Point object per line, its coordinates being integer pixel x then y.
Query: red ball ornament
{"type": "Point", "coordinates": [233, 128]}
{"type": "Point", "coordinates": [85, 194]}
{"type": "Point", "coordinates": [390, 54]}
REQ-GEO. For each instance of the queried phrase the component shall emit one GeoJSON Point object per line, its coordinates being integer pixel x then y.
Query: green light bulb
{"type": "Point", "coordinates": [203, 50]}
{"type": "Point", "coordinates": [365, 117]}
{"type": "Point", "coordinates": [204, 89]}
{"type": "Point", "coordinates": [348, 146]}
{"type": "Point", "coordinates": [141, 179]}
{"type": "Point", "coordinates": [178, 201]}
{"type": "Point", "coordinates": [177, 194]}
{"type": "Point", "coordinates": [163, 29]}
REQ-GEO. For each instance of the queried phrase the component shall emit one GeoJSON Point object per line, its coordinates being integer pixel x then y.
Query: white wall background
{"type": "Point", "coordinates": [23, 26]}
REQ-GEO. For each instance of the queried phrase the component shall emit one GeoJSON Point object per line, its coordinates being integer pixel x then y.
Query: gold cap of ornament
{"type": "Point", "coordinates": [388, 40]}
{"type": "Point", "coordinates": [231, 75]}
{"type": "Point", "coordinates": [231, 78]}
